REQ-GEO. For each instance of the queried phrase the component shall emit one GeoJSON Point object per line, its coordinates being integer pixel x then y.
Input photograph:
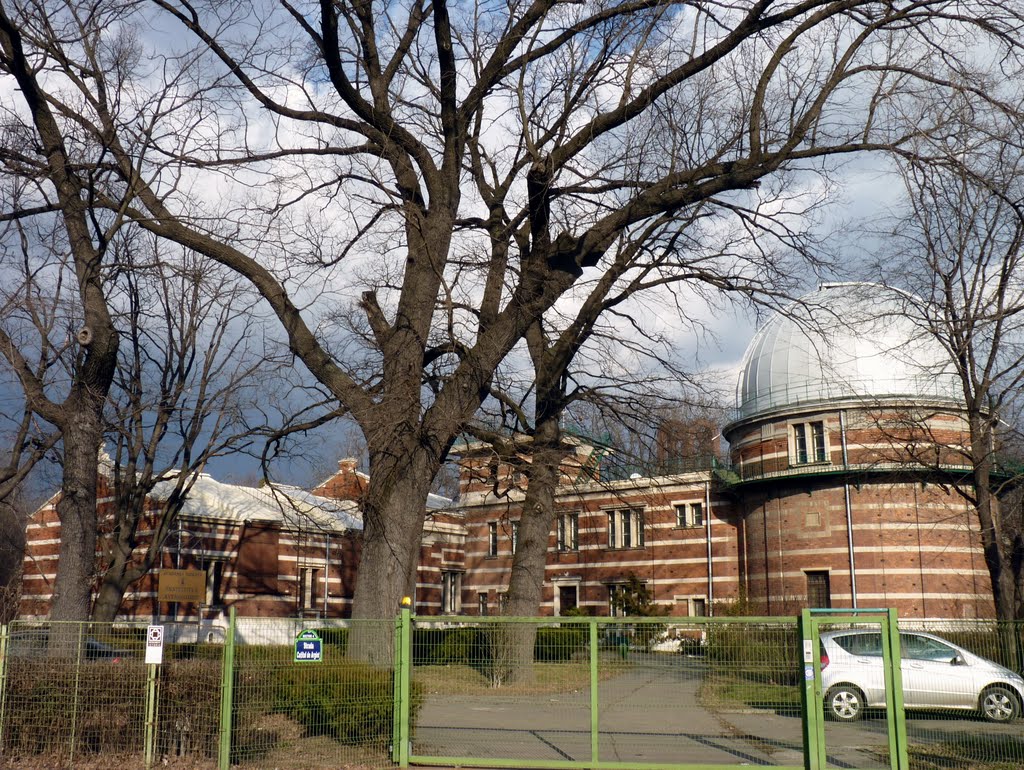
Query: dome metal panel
{"type": "Point", "coordinates": [849, 340]}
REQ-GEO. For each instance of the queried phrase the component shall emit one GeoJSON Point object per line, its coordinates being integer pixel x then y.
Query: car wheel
{"type": "Point", "coordinates": [999, 704]}
{"type": "Point", "coordinates": [845, 703]}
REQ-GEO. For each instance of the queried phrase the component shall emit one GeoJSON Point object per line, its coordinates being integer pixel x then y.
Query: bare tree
{"type": "Point", "coordinates": [634, 370]}
{"type": "Point", "coordinates": [960, 250]}
{"type": "Point", "coordinates": [340, 138]}
{"type": "Point", "coordinates": [190, 368]}
{"type": "Point", "coordinates": [72, 247]}
{"type": "Point", "coordinates": [27, 442]}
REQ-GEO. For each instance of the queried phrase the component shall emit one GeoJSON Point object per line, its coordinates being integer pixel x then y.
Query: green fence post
{"type": "Point", "coordinates": [594, 714]}
{"type": "Point", "coordinates": [396, 689]}
{"type": "Point", "coordinates": [78, 687]}
{"type": "Point", "coordinates": [227, 687]}
{"type": "Point", "coordinates": [894, 694]}
{"type": "Point", "coordinates": [405, 676]}
{"type": "Point", "coordinates": [3, 682]}
{"type": "Point", "coordinates": [150, 749]}
{"type": "Point", "coordinates": [811, 696]}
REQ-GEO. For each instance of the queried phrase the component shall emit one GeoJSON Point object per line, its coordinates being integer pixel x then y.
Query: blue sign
{"type": "Point", "coordinates": [309, 647]}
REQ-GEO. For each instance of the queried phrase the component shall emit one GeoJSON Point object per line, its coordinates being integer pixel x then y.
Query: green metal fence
{"type": "Point", "coordinates": [515, 692]}
{"type": "Point", "coordinates": [605, 692]}
{"type": "Point", "coordinates": [72, 693]}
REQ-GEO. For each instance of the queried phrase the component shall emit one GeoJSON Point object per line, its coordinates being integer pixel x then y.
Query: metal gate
{"type": "Point", "coordinates": [736, 692]}
{"type": "Point", "coordinates": [817, 738]}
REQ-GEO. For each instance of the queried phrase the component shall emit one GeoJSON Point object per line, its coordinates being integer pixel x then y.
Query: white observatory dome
{"type": "Point", "coordinates": [846, 340]}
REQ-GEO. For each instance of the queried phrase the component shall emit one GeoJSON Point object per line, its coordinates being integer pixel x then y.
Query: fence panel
{"type": "Point", "coordinates": [542, 692]}
{"type": "Point", "coordinates": [638, 692]}
{"type": "Point", "coordinates": [484, 698]}
{"type": "Point", "coordinates": [728, 695]}
{"type": "Point", "coordinates": [978, 675]}
{"type": "Point", "coordinates": [75, 695]}
{"type": "Point", "coordinates": [301, 713]}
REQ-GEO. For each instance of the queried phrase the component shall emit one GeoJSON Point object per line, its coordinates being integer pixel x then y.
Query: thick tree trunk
{"type": "Point", "coordinates": [393, 515]}
{"type": "Point", "coordinates": [76, 509]}
{"type": "Point", "coordinates": [119, 575]}
{"type": "Point", "coordinates": [514, 643]}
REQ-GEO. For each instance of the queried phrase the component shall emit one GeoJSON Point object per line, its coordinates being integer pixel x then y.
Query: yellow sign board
{"type": "Point", "coordinates": [181, 585]}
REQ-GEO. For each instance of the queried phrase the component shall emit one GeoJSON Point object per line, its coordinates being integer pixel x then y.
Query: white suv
{"type": "Point", "coordinates": [937, 674]}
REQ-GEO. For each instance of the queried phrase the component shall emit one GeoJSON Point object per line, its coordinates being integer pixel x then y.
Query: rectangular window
{"type": "Point", "coordinates": [309, 588]}
{"type": "Point", "coordinates": [214, 584]}
{"type": "Point", "coordinates": [451, 593]}
{"type": "Point", "coordinates": [481, 603]}
{"type": "Point", "coordinates": [800, 442]}
{"type": "Point", "coordinates": [819, 594]}
{"type": "Point", "coordinates": [809, 442]}
{"type": "Point", "coordinates": [699, 608]}
{"type": "Point", "coordinates": [492, 538]}
{"type": "Point", "coordinates": [569, 532]}
{"type": "Point", "coordinates": [689, 514]}
{"type": "Point", "coordinates": [818, 441]}
{"type": "Point", "coordinates": [515, 536]}
{"type": "Point", "coordinates": [626, 528]}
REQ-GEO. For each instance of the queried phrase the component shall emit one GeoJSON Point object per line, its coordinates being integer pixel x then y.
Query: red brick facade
{"type": "Point", "coordinates": [861, 520]}
{"type": "Point", "coordinates": [279, 555]}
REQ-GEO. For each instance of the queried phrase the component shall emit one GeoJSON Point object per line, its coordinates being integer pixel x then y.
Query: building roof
{"type": "Point", "coordinates": [845, 340]}
{"type": "Point", "coordinates": [290, 506]}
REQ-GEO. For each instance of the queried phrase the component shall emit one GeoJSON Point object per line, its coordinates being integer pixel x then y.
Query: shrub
{"type": "Point", "coordinates": [110, 700]}
{"type": "Point", "coordinates": [353, 703]}
{"type": "Point", "coordinates": [689, 645]}
{"type": "Point", "coordinates": [467, 646]}
{"type": "Point", "coordinates": [558, 645]}
{"type": "Point", "coordinates": [425, 642]}
{"type": "Point", "coordinates": [335, 636]}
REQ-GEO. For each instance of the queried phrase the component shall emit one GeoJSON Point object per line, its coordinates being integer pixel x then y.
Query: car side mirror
{"type": "Point", "coordinates": [958, 660]}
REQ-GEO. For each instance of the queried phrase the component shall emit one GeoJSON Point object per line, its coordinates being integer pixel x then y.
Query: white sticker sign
{"type": "Point", "coordinates": [155, 645]}
{"type": "Point", "coordinates": [808, 651]}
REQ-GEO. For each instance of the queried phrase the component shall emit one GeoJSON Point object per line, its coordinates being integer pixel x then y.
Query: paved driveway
{"type": "Point", "coordinates": [651, 713]}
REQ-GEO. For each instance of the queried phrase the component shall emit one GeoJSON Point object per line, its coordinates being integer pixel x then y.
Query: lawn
{"type": "Point", "coordinates": [722, 692]}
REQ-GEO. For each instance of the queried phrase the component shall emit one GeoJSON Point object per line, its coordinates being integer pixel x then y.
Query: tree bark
{"type": "Point", "coordinates": [514, 643]}
{"type": "Point", "coordinates": [393, 519]}
{"type": "Point", "coordinates": [997, 559]}
{"type": "Point", "coordinates": [76, 509]}
{"type": "Point", "coordinates": [119, 574]}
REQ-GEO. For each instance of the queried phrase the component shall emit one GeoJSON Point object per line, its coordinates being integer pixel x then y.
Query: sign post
{"type": "Point", "coordinates": [309, 647]}
{"type": "Point", "coordinates": [154, 657]}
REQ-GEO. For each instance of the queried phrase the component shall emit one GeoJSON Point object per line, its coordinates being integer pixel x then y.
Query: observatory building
{"type": "Point", "coordinates": [839, 489]}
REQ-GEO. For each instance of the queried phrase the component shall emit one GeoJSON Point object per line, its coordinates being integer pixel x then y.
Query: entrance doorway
{"type": "Point", "coordinates": [568, 598]}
